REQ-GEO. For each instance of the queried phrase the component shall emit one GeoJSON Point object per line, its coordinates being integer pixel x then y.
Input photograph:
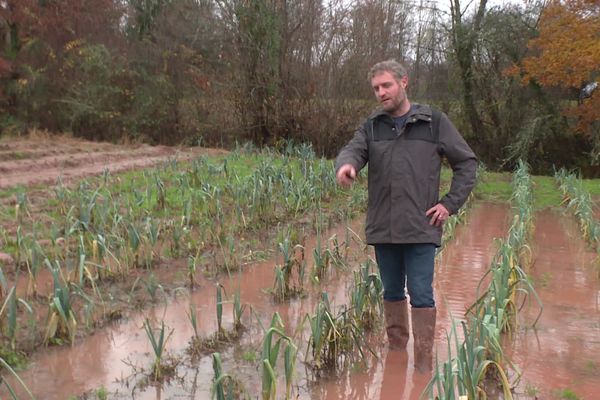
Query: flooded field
{"type": "Point", "coordinates": [188, 254]}
{"type": "Point", "coordinates": [111, 357]}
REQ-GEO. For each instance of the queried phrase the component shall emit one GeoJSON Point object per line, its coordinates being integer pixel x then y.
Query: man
{"type": "Point", "coordinates": [404, 144]}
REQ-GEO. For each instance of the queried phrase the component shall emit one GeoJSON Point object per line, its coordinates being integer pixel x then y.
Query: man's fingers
{"type": "Point", "coordinates": [346, 175]}
{"type": "Point", "coordinates": [350, 173]}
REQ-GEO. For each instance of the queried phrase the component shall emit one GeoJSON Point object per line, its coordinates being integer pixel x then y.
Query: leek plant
{"type": "Point", "coordinates": [158, 343]}
{"type": "Point", "coordinates": [366, 297]}
{"type": "Point", "coordinates": [578, 199]}
{"type": "Point", "coordinates": [9, 311]}
{"type": "Point", "coordinates": [21, 207]}
{"type": "Point", "coordinates": [134, 241]}
{"type": "Point", "coordinates": [152, 233]}
{"type": "Point", "coordinates": [289, 277]}
{"type": "Point", "coordinates": [272, 342]}
{"type": "Point", "coordinates": [61, 316]}
{"type": "Point", "coordinates": [192, 269]}
{"type": "Point", "coordinates": [225, 387]}
{"type": "Point", "coordinates": [238, 311]}
{"type": "Point", "coordinates": [219, 305]}
{"type": "Point", "coordinates": [321, 261]}
{"type": "Point", "coordinates": [334, 253]}
{"type": "Point", "coordinates": [495, 311]}
{"type": "Point", "coordinates": [191, 314]}
{"type": "Point", "coordinates": [152, 287]}
{"type": "Point", "coordinates": [10, 389]}
{"type": "Point", "coordinates": [461, 376]}
{"type": "Point", "coordinates": [334, 338]}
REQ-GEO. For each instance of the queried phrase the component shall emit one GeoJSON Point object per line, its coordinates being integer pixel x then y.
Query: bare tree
{"type": "Point", "coordinates": [464, 37]}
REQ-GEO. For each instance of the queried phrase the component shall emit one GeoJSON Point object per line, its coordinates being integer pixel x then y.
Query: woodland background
{"type": "Point", "coordinates": [220, 72]}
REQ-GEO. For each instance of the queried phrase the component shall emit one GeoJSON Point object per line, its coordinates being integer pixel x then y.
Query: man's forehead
{"type": "Point", "coordinates": [382, 76]}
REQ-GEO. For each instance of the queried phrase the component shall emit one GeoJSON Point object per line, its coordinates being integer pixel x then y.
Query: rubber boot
{"type": "Point", "coordinates": [423, 325]}
{"type": "Point", "coordinates": [396, 321]}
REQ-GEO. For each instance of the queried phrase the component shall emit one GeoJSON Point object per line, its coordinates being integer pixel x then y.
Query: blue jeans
{"type": "Point", "coordinates": [410, 266]}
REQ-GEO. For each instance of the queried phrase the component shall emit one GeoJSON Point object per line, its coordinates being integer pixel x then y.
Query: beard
{"type": "Point", "coordinates": [393, 105]}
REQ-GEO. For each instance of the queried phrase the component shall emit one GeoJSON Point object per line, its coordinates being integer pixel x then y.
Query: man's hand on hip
{"type": "Point", "coordinates": [346, 174]}
{"type": "Point", "coordinates": [438, 213]}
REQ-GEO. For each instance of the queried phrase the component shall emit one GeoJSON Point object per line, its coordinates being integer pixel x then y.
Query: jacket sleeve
{"type": "Point", "coordinates": [463, 163]}
{"type": "Point", "coordinates": [356, 152]}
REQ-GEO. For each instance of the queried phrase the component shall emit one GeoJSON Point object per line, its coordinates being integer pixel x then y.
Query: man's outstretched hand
{"type": "Point", "coordinates": [346, 175]}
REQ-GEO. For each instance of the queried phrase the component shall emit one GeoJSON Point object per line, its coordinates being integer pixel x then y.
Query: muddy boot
{"type": "Point", "coordinates": [396, 321]}
{"type": "Point", "coordinates": [423, 324]}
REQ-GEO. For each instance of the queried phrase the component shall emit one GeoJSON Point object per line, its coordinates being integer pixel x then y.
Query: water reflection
{"type": "Point", "coordinates": [98, 359]}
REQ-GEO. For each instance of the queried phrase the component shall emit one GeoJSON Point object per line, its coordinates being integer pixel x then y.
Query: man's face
{"type": "Point", "coordinates": [390, 92]}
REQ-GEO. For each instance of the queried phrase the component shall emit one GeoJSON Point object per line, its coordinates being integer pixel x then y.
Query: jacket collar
{"type": "Point", "coordinates": [417, 111]}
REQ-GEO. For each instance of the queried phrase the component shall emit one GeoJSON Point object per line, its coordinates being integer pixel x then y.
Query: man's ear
{"type": "Point", "coordinates": [404, 81]}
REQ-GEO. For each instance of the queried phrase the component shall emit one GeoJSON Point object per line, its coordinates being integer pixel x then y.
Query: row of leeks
{"type": "Point", "coordinates": [479, 357]}
{"type": "Point", "coordinates": [578, 199]}
{"type": "Point", "coordinates": [101, 229]}
{"type": "Point", "coordinates": [336, 338]}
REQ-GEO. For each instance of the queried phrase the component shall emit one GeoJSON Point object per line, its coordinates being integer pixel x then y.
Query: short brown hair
{"type": "Point", "coordinates": [392, 66]}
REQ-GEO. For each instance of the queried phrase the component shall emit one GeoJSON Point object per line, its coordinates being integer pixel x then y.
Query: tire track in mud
{"type": "Point", "coordinates": [80, 163]}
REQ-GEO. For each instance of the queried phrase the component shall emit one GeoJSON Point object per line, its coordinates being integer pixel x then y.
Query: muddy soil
{"type": "Point", "coordinates": [43, 159]}
{"type": "Point", "coordinates": [118, 356]}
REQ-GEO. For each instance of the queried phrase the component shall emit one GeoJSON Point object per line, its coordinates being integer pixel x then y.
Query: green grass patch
{"type": "Point", "coordinates": [545, 192]}
{"type": "Point", "coordinates": [15, 359]}
{"type": "Point", "coordinates": [592, 186]}
{"type": "Point", "coordinates": [494, 187]}
{"type": "Point", "coordinates": [567, 394]}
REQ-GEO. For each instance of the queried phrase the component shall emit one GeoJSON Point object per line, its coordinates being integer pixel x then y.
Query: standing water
{"type": "Point", "coordinates": [458, 272]}
{"type": "Point", "coordinates": [111, 357]}
{"type": "Point", "coordinates": [560, 358]}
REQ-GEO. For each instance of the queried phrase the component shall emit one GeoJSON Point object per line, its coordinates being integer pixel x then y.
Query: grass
{"type": "Point", "coordinates": [250, 356]}
{"type": "Point", "coordinates": [531, 390]}
{"type": "Point", "coordinates": [590, 367]}
{"type": "Point", "coordinates": [545, 192]}
{"type": "Point", "coordinates": [592, 186]}
{"type": "Point", "coordinates": [567, 394]}
{"type": "Point", "coordinates": [494, 187]}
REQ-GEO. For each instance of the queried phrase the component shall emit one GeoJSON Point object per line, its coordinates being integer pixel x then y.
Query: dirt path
{"type": "Point", "coordinates": [43, 159]}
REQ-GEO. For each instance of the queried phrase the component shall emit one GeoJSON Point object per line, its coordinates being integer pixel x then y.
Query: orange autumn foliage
{"type": "Point", "coordinates": [567, 54]}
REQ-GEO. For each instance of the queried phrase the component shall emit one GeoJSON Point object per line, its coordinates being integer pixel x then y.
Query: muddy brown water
{"type": "Point", "coordinates": [563, 352]}
{"type": "Point", "coordinates": [567, 334]}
